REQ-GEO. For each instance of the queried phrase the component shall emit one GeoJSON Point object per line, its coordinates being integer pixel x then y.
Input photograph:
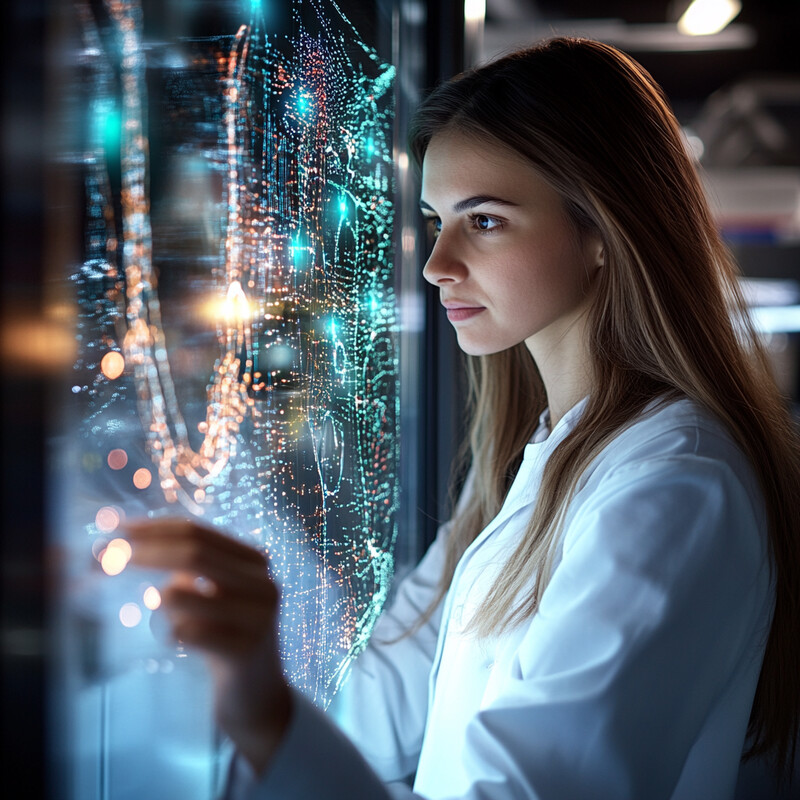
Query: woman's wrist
{"type": "Point", "coordinates": [258, 740]}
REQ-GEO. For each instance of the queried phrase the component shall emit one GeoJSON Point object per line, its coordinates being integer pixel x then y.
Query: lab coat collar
{"type": "Point", "coordinates": [523, 493]}
{"type": "Point", "coordinates": [525, 488]}
{"type": "Point", "coordinates": [568, 421]}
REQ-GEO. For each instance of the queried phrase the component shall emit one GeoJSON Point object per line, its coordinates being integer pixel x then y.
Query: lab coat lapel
{"type": "Point", "coordinates": [522, 495]}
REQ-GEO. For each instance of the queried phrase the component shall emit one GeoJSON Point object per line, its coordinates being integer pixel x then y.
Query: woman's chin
{"type": "Point", "coordinates": [473, 348]}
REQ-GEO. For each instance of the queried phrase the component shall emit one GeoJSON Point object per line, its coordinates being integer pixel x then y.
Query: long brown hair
{"type": "Point", "coordinates": [668, 321]}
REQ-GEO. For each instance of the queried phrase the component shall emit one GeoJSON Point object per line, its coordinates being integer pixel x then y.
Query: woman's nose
{"type": "Point", "coordinates": [444, 265]}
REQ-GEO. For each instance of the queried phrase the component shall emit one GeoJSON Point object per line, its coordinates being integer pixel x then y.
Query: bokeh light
{"type": "Point", "coordinates": [107, 519]}
{"type": "Point", "coordinates": [99, 546]}
{"type": "Point", "coordinates": [152, 598]}
{"type": "Point", "coordinates": [112, 365]}
{"type": "Point", "coordinates": [142, 478]}
{"type": "Point", "coordinates": [117, 458]}
{"type": "Point", "coordinates": [115, 557]}
{"type": "Point", "coordinates": [130, 615]}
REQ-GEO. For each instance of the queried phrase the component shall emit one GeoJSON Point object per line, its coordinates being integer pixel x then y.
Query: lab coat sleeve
{"type": "Point", "coordinates": [314, 760]}
{"type": "Point", "coordinates": [658, 599]}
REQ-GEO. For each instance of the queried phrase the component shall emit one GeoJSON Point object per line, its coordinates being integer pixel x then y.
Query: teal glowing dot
{"type": "Point", "coordinates": [108, 127]}
{"type": "Point", "coordinates": [297, 251]}
{"type": "Point", "coordinates": [303, 104]}
{"type": "Point", "coordinates": [342, 206]}
{"type": "Point", "coordinates": [370, 146]}
{"type": "Point", "coordinates": [333, 328]}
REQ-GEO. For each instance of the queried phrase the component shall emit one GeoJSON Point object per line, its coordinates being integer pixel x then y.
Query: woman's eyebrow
{"type": "Point", "coordinates": [471, 202]}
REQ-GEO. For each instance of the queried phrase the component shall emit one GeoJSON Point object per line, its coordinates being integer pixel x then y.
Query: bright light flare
{"type": "Point", "coordinates": [115, 557]}
{"type": "Point", "coordinates": [705, 17]}
{"type": "Point", "coordinates": [152, 598]}
{"type": "Point", "coordinates": [234, 308]}
{"type": "Point", "coordinates": [474, 10]}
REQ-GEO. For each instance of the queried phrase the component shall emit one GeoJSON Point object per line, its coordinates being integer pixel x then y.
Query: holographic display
{"type": "Point", "coordinates": [237, 317]}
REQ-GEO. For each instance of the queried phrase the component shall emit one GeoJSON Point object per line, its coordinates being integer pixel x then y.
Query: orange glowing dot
{"type": "Point", "coordinates": [142, 478]}
{"type": "Point", "coordinates": [152, 598]}
{"type": "Point", "coordinates": [130, 615]}
{"type": "Point", "coordinates": [107, 519]}
{"type": "Point", "coordinates": [199, 495]}
{"type": "Point", "coordinates": [117, 459]}
{"type": "Point", "coordinates": [112, 365]}
{"type": "Point", "coordinates": [115, 557]}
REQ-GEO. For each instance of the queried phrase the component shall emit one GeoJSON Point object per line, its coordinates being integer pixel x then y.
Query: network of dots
{"type": "Point", "coordinates": [293, 441]}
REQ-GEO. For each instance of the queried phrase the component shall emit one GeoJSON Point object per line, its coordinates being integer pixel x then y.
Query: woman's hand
{"type": "Point", "coordinates": [221, 600]}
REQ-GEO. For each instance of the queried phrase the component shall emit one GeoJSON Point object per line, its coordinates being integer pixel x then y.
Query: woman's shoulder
{"type": "Point", "coordinates": [673, 427]}
{"type": "Point", "coordinates": [682, 432]}
{"type": "Point", "coordinates": [676, 464]}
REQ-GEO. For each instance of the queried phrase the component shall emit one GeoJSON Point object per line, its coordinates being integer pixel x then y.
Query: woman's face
{"type": "Point", "coordinates": [509, 263]}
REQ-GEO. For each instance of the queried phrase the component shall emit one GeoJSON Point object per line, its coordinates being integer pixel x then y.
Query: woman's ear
{"type": "Point", "coordinates": [595, 251]}
{"type": "Point", "coordinates": [600, 259]}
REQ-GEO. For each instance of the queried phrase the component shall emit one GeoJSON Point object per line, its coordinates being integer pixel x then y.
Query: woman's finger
{"type": "Point", "coordinates": [236, 612]}
{"type": "Point", "coordinates": [226, 623]}
{"type": "Point", "coordinates": [185, 530]}
{"type": "Point", "coordinates": [246, 579]}
{"type": "Point", "coordinates": [182, 545]}
{"type": "Point", "coordinates": [217, 638]}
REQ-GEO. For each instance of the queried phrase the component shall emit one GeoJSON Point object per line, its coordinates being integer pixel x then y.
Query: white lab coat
{"type": "Point", "coordinates": [635, 677]}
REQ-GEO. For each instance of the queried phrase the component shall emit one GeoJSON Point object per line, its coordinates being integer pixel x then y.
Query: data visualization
{"type": "Point", "coordinates": [237, 322]}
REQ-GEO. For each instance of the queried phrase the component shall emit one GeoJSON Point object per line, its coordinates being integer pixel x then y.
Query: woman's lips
{"type": "Point", "coordinates": [462, 313]}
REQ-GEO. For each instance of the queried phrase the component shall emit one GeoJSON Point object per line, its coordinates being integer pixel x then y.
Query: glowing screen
{"type": "Point", "coordinates": [237, 319]}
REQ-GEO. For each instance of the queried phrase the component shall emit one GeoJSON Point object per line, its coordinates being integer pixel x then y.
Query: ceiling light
{"type": "Point", "coordinates": [474, 10]}
{"type": "Point", "coordinates": [704, 17]}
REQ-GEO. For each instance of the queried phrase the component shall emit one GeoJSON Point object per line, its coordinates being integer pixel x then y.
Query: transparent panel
{"type": "Point", "coordinates": [237, 327]}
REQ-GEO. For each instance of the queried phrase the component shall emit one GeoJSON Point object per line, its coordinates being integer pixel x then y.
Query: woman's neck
{"type": "Point", "coordinates": [564, 365]}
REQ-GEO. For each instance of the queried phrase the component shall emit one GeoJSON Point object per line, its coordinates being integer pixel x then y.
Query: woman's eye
{"type": "Point", "coordinates": [484, 223]}
{"type": "Point", "coordinates": [435, 224]}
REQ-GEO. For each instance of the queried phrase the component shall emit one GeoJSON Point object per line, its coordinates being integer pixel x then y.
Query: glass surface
{"type": "Point", "coordinates": [238, 327]}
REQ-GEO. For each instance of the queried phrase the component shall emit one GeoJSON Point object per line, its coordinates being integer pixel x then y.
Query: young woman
{"type": "Point", "coordinates": [613, 610]}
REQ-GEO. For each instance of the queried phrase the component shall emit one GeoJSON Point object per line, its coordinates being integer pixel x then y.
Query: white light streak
{"type": "Point", "coordinates": [706, 17]}
{"type": "Point", "coordinates": [776, 319]}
